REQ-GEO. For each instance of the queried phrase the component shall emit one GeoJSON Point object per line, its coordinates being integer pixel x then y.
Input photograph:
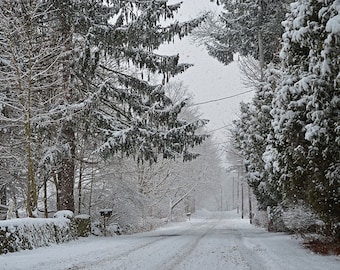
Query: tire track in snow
{"type": "Point", "coordinates": [118, 256]}
{"type": "Point", "coordinates": [108, 257]}
{"type": "Point", "coordinates": [187, 251]}
{"type": "Point", "coordinates": [248, 258]}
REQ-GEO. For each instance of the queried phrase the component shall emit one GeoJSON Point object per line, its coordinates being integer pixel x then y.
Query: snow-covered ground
{"type": "Point", "coordinates": [209, 241]}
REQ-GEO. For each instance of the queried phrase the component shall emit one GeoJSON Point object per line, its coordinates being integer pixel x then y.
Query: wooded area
{"type": "Point", "coordinates": [81, 107]}
{"type": "Point", "coordinates": [89, 118]}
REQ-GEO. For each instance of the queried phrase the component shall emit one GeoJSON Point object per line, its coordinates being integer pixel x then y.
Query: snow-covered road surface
{"type": "Point", "coordinates": [210, 241]}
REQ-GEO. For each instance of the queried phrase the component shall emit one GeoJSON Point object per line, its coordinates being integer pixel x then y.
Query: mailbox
{"type": "Point", "coordinates": [105, 212]}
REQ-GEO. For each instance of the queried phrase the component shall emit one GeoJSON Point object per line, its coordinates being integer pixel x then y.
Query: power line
{"type": "Point", "coordinates": [219, 99]}
{"type": "Point", "coordinates": [209, 131]}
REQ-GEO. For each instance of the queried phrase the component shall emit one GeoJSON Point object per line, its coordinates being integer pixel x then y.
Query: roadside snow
{"type": "Point", "coordinates": [209, 241]}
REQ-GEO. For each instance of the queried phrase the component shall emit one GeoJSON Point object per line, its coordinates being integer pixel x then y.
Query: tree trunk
{"type": "Point", "coordinates": [250, 206]}
{"type": "Point", "coordinates": [242, 204]}
{"type": "Point", "coordinates": [171, 208]}
{"type": "Point", "coordinates": [66, 173]}
{"type": "Point", "coordinates": [91, 190]}
{"type": "Point", "coordinates": [45, 199]}
{"type": "Point", "coordinates": [32, 197]}
{"type": "Point", "coordinates": [80, 185]}
{"type": "Point", "coordinates": [261, 54]}
{"type": "Point", "coordinates": [55, 181]}
{"type": "Point", "coordinates": [3, 195]}
{"type": "Point", "coordinates": [66, 186]}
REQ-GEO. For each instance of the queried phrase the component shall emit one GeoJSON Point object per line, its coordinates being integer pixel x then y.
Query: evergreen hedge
{"type": "Point", "coordinates": [29, 233]}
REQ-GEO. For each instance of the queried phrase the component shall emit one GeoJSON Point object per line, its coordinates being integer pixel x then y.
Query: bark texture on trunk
{"type": "Point", "coordinates": [66, 174]}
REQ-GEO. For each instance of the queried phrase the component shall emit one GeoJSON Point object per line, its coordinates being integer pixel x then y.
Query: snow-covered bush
{"type": "Point", "coordinates": [112, 228]}
{"type": "Point", "coordinates": [260, 218]}
{"type": "Point", "coordinates": [29, 233]}
{"type": "Point", "coordinates": [301, 219]}
{"type": "Point", "coordinates": [275, 220]}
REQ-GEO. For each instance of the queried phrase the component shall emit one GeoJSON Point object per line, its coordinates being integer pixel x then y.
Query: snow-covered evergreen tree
{"type": "Point", "coordinates": [250, 28]}
{"type": "Point", "coordinates": [253, 134]}
{"type": "Point", "coordinates": [103, 97]}
{"type": "Point", "coordinates": [306, 108]}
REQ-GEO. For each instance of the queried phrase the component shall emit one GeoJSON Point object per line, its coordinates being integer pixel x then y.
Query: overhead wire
{"type": "Point", "coordinates": [216, 100]}
{"type": "Point", "coordinates": [219, 128]}
{"type": "Point", "coordinates": [219, 99]}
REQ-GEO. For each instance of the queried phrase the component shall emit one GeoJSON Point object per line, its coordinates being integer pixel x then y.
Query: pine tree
{"type": "Point", "coordinates": [306, 108]}
{"type": "Point", "coordinates": [92, 60]}
{"type": "Point", "coordinates": [253, 134]}
{"type": "Point", "coordinates": [250, 28]}
{"type": "Point", "coordinates": [108, 51]}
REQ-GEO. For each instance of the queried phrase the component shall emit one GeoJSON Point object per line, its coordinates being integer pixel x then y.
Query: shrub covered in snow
{"type": "Point", "coordinates": [112, 228]}
{"type": "Point", "coordinates": [300, 218]}
{"type": "Point", "coordinates": [260, 218]}
{"type": "Point", "coordinates": [29, 233]}
{"type": "Point", "coordinates": [275, 220]}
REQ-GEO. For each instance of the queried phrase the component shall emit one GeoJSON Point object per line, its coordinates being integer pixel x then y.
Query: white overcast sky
{"type": "Point", "coordinates": [208, 79]}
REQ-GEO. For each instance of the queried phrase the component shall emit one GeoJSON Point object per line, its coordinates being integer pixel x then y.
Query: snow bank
{"type": "Point", "coordinates": [29, 233]}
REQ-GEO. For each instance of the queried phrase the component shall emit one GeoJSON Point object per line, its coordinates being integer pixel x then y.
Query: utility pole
{"type": "Point", "coordinates": [250, 207]}
{"type": "Point", "coordinates": [233, 194]}
{"type": "Point", "coordinates": [242, 205]}
{"type": "Point", "coordinates": [221, 198]}
{"type": "Point", "coordinates": [238, 192]}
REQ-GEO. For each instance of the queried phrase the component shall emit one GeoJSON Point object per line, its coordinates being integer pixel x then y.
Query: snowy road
{"type": "Point", "coordinates": [213, 241]}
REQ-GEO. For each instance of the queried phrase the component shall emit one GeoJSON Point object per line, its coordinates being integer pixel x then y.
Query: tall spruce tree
{"type": "Point", "coordinates": [306, 108]}
{"type": "Point", "coordinates": [93, 88]}
{"type": "Point", "coordinates": [253, 134]}
{"type": "Point", "coordinates": [108, 51]}
{"type": "Point", "coordinates": [250, 28]}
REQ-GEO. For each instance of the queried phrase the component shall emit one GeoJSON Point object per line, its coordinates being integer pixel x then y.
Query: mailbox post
{"type": "Point", "coordinates": [105, 213]}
